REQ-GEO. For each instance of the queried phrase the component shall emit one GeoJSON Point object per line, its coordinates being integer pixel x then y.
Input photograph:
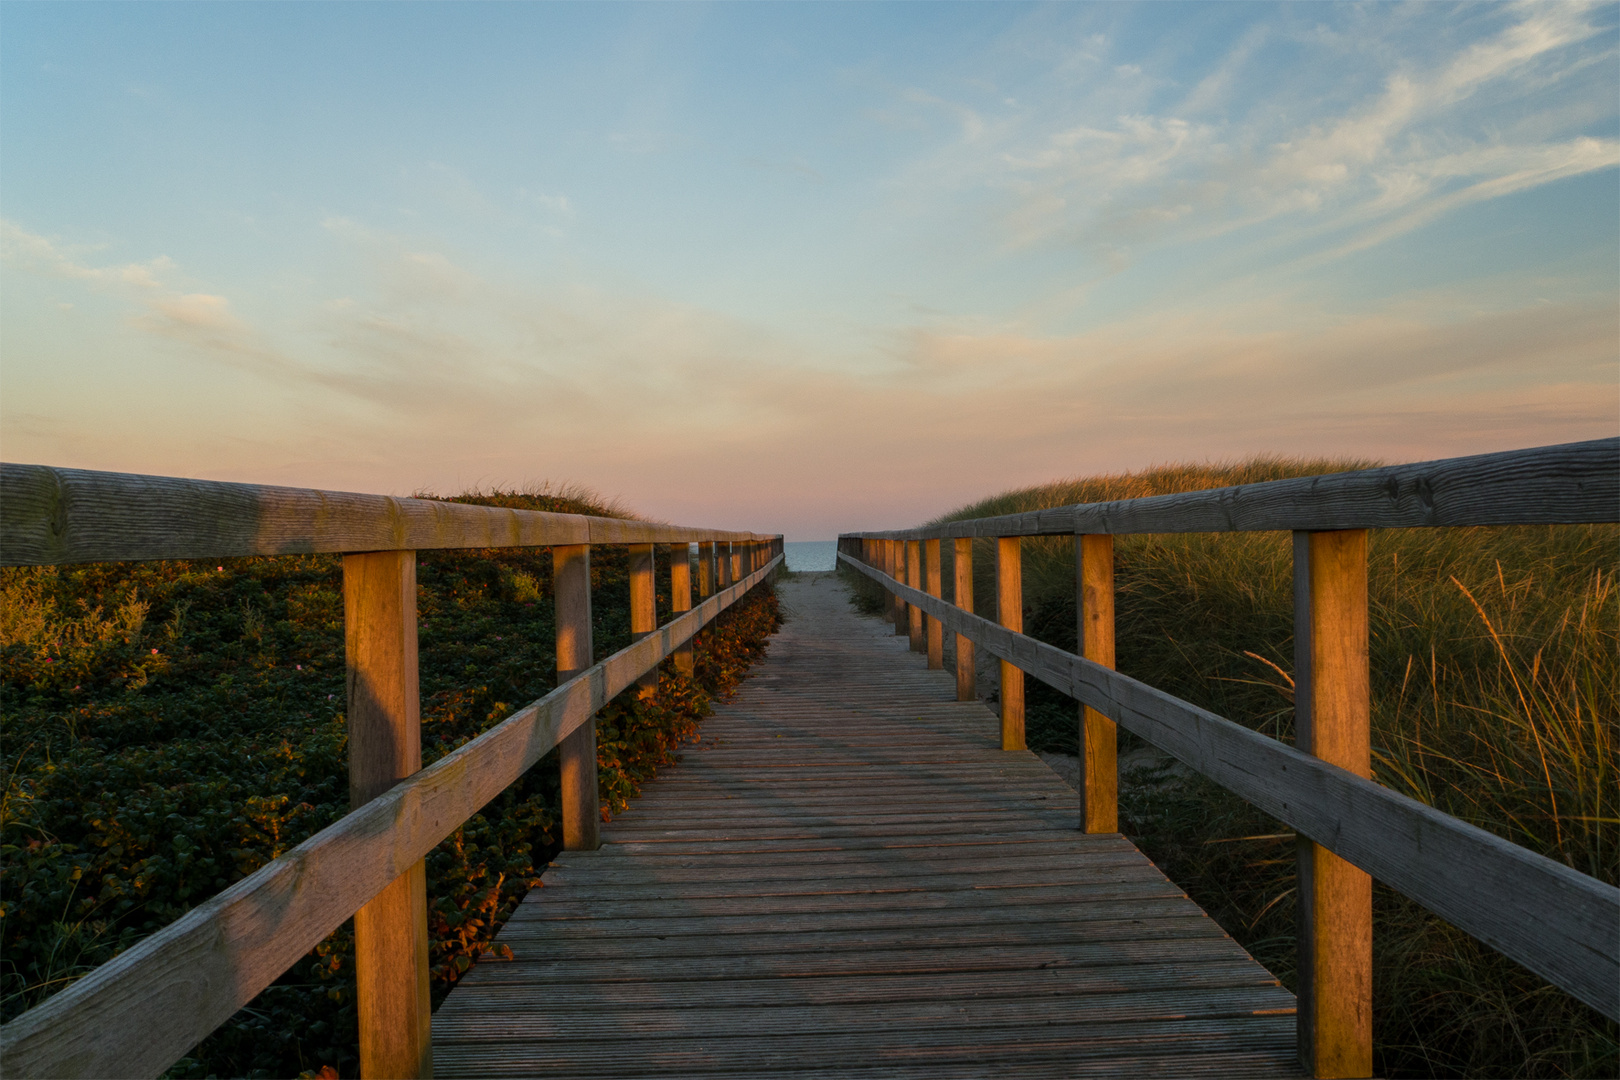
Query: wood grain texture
{"type": "Point", "coordinates": [51, 516]}
{"type": "Point", "coordinates": [967, 677]}
{"type": "Point", "coordinates": [576, 754]}
{"type": "Point", "coordinates": [385, 747]}
{"type": "Point", "coordinates": [1010, 614]}
{"type": "Point", "coordinates": [1572, 483]}
{"type": "Point", "coordinates": [137, 1014]}
{"type": "Point", "coordinates": [742, 918]}
{"type": "Point", "coordinates": [1333, 722]}
{"type": "Point", "coordinates": [1555, 921]}
{"type": "Point", "coordinates": [1099, 741]}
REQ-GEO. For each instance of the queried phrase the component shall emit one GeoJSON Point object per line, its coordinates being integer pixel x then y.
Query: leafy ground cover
{"type": "Point", "coordinates": [1495, 660]}
{"type": "Point", "coordinates": [171, 727]}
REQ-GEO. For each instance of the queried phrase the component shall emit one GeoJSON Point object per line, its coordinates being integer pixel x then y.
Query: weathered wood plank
{"type": "Point", "coordinates": [1554, 920]}
{"type": "Point", "coordinates": [51, 516]}
{"type": "Point", "coordinates": [200, 969]}
{"type": "Point", "coordinates": [1568, 484]}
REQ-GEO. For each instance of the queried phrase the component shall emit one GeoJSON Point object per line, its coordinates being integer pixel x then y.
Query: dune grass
{"type": "Point", "coordinates": [1495, 674]}
{"type": "Point", "coordinates": [170, 727]}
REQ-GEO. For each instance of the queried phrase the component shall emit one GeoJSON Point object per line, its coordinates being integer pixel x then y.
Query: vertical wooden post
{"type": "Point", "coordinates": [680, 598]}
{"type": "Point", "coordinates": [914, 578]}
{"type": "Point", "coordinates": [902, 610]}
{"type": "Point", "coordinates": [886, 553]}
{"type": "Point", "coordinates": [936, 629]}
{"type": "Point", "coordinates": [581, 803]}
{"type": "Point", "coordinates": [736, 567]}
{"type": "Point", "coordinates": [722, 566]}
{"type": "Point", "coordinates": [1332, 720]}
{"type": "Point", "coordinates": [1010, 613]}
{"type": "Point", "coordinates": [967, 676]}
{"type": "Point", "coordinates": [385, 746]}
{"type": "Point", "coordinates": [705, 581]}
{"type": "Point", "coordinates": [643, 608]}
{"type": "Point", "coordinates": [1099, 741]}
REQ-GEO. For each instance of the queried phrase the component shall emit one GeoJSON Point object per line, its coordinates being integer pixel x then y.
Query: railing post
{"type": "Point", "coordinates": [705, 581]}
{"type": "Point", "coordinates": [967, 675]}
{"type": "Point", "coordinates": [1010, 613]}
{"type": "Point", "coordinates": [722, 565]}
{"type": "Point", "coordinates": [936, 629]}
{"type": "Point", "coordinates": [914, 578]}
{"type": "Point", "coordinates": [902, 614]}
{"type": "Point", "coordinates": [1332, 720]}
{"type": "Point", "coordinates": [891, 568]}
{"type": "Point", "coordinates": [735, 569]}
{"type": "Point", "coordinates": [1099, 741]}
{"type": "Point", "coordinates": [581, 803]}
{"type": "Point", "coordinates": [680, 598]}
{"type": "Point", "coordinates": [643, 608]}
{"type": "Point", "coordinates": [385, 747]}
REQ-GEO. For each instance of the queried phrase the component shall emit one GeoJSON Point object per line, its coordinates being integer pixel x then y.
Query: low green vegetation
{"type": "Point", "coordinates": [1495, 658]}
{"type": "Point", "coordinates": [171, 727]}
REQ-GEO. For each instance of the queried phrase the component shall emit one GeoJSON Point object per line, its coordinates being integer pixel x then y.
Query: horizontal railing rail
{"type": "Point", "coordinates": [140, 1012]}
{"type": "Point", "coordinates": [51, 516]}
{"type": "Point", "coordinates": [1573, 483]}
{"type": "Point", "coordinates": [1559, 923]}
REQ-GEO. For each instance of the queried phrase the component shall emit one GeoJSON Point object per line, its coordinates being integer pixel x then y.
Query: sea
{"type": "Point", "coordinates": [810, 554]}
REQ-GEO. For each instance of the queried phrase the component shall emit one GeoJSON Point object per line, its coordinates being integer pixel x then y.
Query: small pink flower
{"type": "Point", "coordinates": [221, 569]}
{"type": "Point", "coordinates": [300, 667]}
{"type": "Point", "coordinates": [154, 652]}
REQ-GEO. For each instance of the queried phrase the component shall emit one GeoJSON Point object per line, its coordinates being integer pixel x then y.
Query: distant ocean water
{"type": "Point", "coordinates": [811, 554]}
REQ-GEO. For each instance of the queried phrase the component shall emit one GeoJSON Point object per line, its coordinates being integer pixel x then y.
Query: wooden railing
{"type": "Point", "coordinates": [138, 1013]}
{"type": "Point", "coordinates": [1559, 923]}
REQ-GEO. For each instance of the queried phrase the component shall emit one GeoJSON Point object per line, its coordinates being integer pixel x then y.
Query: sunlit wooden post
{"type": "Point", "coordinates": [914, 578]}
{"type": "Point", "coordinates": [1010, 613]}
{"type": "Point", "coordinates": [705, 581]}
{"type": "Point", "coordinates": [1099, 741]}
{"type": "Point", "coordinates": [643, 608]}
{"type": "Point", "coordinates": [891, 568]}
{"type": "Point", "coordinates": [1332, 720]}
{"type": "Point", "coordinates": [680, 598]}
{"type": "Point", "coordinates": [736, 567]}
{"type": "Point", "coordinates": [722, 565]}
{"type": "Point", "coordinates": [967, 678]}
{"type": "Point", "coordinates": [936, 629]}
{"type": "Point", "coordinates": [385, 747]}
{"type": "Point", "coordinates": [581, 803]}
{"type": "Point", "coordinates": [902, 610]}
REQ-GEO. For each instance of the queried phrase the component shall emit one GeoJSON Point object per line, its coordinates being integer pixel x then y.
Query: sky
{"type": "Point", "coordinates": [800, 268]}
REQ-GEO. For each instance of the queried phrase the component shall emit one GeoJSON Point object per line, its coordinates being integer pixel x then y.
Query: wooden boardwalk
{"type": "Point", "coordinates": [848, 877]}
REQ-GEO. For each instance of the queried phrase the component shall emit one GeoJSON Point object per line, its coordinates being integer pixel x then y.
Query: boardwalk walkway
{"type": "Point", "coordinates": [849, 878]}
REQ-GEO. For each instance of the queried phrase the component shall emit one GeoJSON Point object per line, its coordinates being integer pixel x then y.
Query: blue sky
{"type": "Point", "coordinates": [800, 267]}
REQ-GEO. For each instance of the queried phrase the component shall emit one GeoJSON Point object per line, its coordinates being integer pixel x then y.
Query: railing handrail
{"type": "Point", "coordinates": [138, 1013]}
{"type": "Point", "coordinates": [56, 516]}
{"type": "Point", "coordinates": [1553, 919]}
{"type": "Point", "coordinates": [1566, 484]}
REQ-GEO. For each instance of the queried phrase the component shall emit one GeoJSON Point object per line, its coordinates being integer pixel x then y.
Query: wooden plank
{"type": "Point", "coordinates": [1552, 919]}
{"type": "Point", "coordinates": [385, 747]}
{"type": "Point", "coordinates": [1099, 742]}
{"type": "Point", "coordinates": [1572, 483]}
{"type": "Point", "coordinates": [136, 1014]}
{"type": "Point", "coordinates": [706, 575]}
{"type": "Point", "coordinates": [1010, 614]}
{"type": "Point", "coordinates": [52, 516]}
{"type": "Point", "coordinates": [1333, 722]}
